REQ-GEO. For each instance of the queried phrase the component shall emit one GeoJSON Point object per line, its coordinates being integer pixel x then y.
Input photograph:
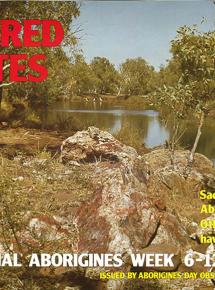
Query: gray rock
{"type": "Point", "coordinates": [94, 145]}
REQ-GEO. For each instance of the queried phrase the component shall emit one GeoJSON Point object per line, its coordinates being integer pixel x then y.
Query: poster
{"type": "Point", "coordinates": [107, 145]}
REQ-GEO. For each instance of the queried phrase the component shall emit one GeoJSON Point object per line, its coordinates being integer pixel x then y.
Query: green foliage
{"type": "Point", "coordinates": [58, 64]}
{"type": "Point", "coordinates": [169, 74]}
{"type": "Point", "coordinates": [193, 54]}
{"type": "Point", "coordinates": [63, 12]}
{"type": "Point", "coordinates": [83, 77]}
{"type": "Point", "coordinates": [32, 120]}
{"type": "Point", "coordinates": [136, 77]}
{"type": "Point", "coordinates": [106, 75]}
{"type": "Point", "coordinates": [98, 77]}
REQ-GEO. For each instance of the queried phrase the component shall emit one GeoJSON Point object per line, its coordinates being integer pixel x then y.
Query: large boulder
{"type": "Point", "coordinates": [94, 145]}
{"type": "Point", "coordinates": [121, 216]}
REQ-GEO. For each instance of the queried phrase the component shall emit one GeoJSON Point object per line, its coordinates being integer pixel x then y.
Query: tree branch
{"type": "Point", "coordinates": [6, 66]}
{"type": "Point", "coordinates": [6, 84]}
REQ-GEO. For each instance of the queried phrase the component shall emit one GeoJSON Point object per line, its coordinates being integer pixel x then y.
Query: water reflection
{"type": "Point", "coordinates": [157, 134]}
{"type": "Point", "coordinates": [115, 112]}
{"type": "Point", "coordinates": [148, 123]}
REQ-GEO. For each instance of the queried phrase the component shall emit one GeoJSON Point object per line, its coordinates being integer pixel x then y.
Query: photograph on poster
{"type": "Point", "coordinates": [107, 145]}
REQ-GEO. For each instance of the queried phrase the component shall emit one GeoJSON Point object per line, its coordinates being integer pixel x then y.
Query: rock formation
{"type": "Point", "coordinates": [122, 216]}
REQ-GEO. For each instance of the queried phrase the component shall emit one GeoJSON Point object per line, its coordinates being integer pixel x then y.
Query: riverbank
{"type": "Point", "coordinates": [29, 142]}
{"type": "Point", "coordinates": [131, 102]}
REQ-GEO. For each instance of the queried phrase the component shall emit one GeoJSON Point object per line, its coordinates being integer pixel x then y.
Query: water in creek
{"type": "Point", "coordinates": [148, 123]}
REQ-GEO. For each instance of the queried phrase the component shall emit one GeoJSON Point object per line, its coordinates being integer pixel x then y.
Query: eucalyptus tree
{"type": "Point", "coordinates": [106, 76]}
{"type": "Point", "coordinates": [194, 93]}
{"type": "Point", "coordinates": [136, 76]}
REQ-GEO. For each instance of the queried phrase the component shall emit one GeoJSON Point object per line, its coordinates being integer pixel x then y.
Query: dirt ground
{"type": "Point", "coordinates": [30, 141]}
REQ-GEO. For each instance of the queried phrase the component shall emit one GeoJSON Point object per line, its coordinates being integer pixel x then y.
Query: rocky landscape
{"type": "Point", "coordinates": [127, 204]}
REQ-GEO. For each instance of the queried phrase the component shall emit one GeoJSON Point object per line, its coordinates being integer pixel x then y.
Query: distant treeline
{"type": "Point", "coordinates": [134, 77]}
{"type": "Point", "coordinates": [69, 77]}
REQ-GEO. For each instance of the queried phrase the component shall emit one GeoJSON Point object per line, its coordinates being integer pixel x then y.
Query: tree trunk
{"type": "Point", "coordinates": [192, 152]}
{"type": "Point", "coordinates": [119, 91]}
